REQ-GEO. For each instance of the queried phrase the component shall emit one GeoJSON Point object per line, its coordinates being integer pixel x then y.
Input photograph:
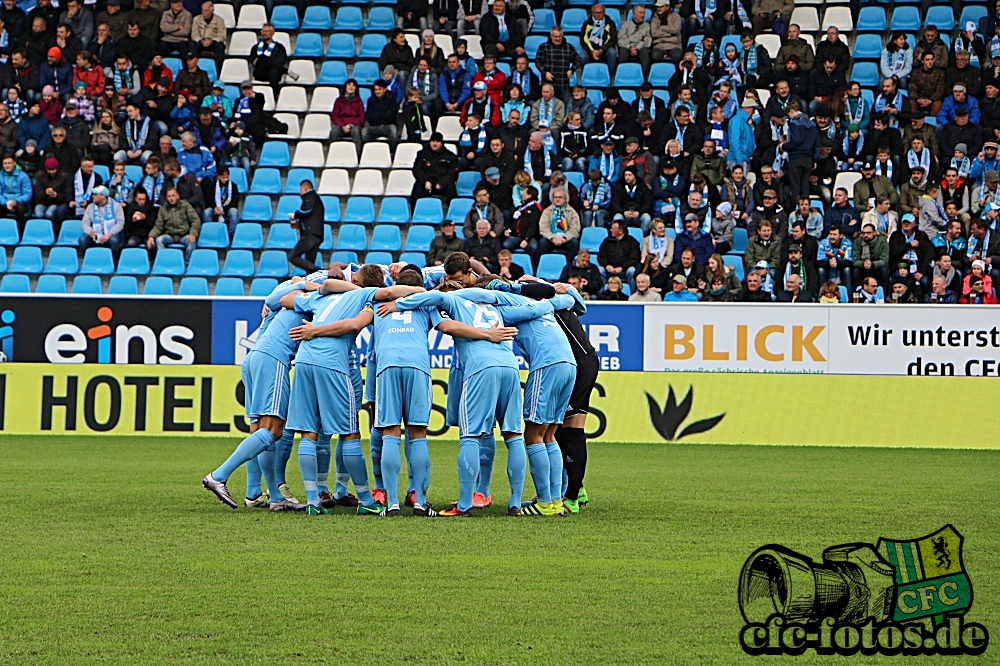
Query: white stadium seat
{"type": "Point", "coordinates": [292, 99]}
{"type": "Point", "coordinates": [475, 46]}
{"type": "Point", "coordinates": [807, 19]}
{"type": "Point", "coordinates": [342, 155]}
{"type": "Point", "coordinates": [840, 18]}
{"type": "Point", "coordinates": [367, 183]}
{"type": "Point", "coordinates": [375, 155]}
{"type": "Point", "coordinates": [450, 128]}
{"type": "Point", "coordinates": [763, 94]}
{"type": "Point", "coordinates": [771, 43]}
{"type": "Point", "coordinates": [285, 40]}
{"type": "Point", "coordinates": [241, 42]}
{"type": "Point", "coordinates": [292, 121]}
{"type": "Point", "coordinates": [335, 181]}
{"type": "Point", "coordinates": [234, 70]}
{"type": "Point", "coordinates": [268, 94]}
{"type": "Point", "coordinates": [323, 99]}
{"type": "Point", "coordinates": [228, 16]}
{"type": "Point", "coordinates": [306, 69]}
{"type": "Point", "coordinates": [413, 41]}
{"type": "Point", "coordinates": [444, 43]}
{"type": "Point", "coordinates": [406, 155]}
{"type": "Point", "coordinates": [316, 127]}
{"type": "Point", "coordinates": [400, 183]}
{"type": "Point", "coordinates": [308, 154]}
{"type": "Point", "coordinates": [847, 179]}
{"type": "Point", "coordinates": [252, 17]}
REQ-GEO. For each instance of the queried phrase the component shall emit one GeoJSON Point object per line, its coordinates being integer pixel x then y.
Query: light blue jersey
{"type": "Point", "coordinates": [272, 337]}
{"type": "Point", "coordinates": [331, 352]}
{"type": "Point", "coordinates": [400, 339]}
{"type": "Point", "coordinates": [476, 355]}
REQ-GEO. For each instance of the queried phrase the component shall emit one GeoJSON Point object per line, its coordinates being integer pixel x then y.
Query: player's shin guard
{"type": "Point", "coordinates": [354, 461]}
{"type": "Point", "coordinates": [248, 449]}
{"type": "Point", "coordinates": [282, 452]}
{"type": "Point", "coordinates": [340, 490]}
{"type": "Point", "coordinates": [419, 460]}
{"type": "Point", "coordinates": [376, 448]}
{"type": "Point", "coordinates": [307, 463]}
{"type": "Point", "coordinates": [266, 462]}
{"type": "Point", "coordinates": [487, 452]}
{"type": "Point", "coordinates": [322, 462]}
{"type": "Point", "coordinates": [468, 470]}
{"type": "Point", "coordinates": [253, 478]}
{"type": "Point", "coordinates": [516, 464]}
{"type": "Point", "coordinates": [538, 460]}
{"type": "Point", "coordinates": [573, 443]}
{"type": "Point", "coordinates": [392, 463]}
{"type": "Point", "coordinates": [555, 470]}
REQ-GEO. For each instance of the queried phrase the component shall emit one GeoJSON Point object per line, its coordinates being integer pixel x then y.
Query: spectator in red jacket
{"type": "Point", "coordinates": [348, 115]}
{"type": "Point", "coordinates": [494, 78]}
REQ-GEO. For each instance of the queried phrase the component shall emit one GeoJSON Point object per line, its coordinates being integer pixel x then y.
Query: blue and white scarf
{"type": "Point", "coordinates": [881, 103]}
{"type": "Point", "coordinates": [546, 111]}
{"type": "Point", "coordinates": [559, 223]}
{"type": "Point", "coordinates": [859, 146]}
{"type": "Point", "coordinates": [547, 155]}
{"type": "Point", "coordinates": [465, 140]}
{"type": "Point", "coordinates": [923, 161]}
{"type": "Point", "coordinates": [523, 80]}
{"type": "Point", "coordinates": [265, 50]}
{"type": "Point", "coordinates": [881, 221]}
{"type": "Point", "coordinates": [964, 44]}
{"type": "Point", "coordinates": [125, 79]}
{"type": "Point", "coordinates": [884, 169]}
{"type": "Point", "coordinates": [153, 187]}
{"type": "Point", "coordinates": [855, 110]}
{"type": "Point", "coordinates": [104, 217]}
{"type": "Point", "coordinates": [136, 141]}
{"type": "Point", "coordinates": [741, 12]}
{"type": "Point", "coordinates": [223, 196]}
{"type": "Point", "coordinates": [502, 21]}
{"type": "Point", "coordinates": [710, 7]}
{"type": "Point", "coordinates": [748, 57]}
{"type": "Point", "coordinates": [606, 165]}
{"type": "Point", "coordinates": [122, 191]}
{"type": "Point", "coordinates": [700, 55]}
{"type": "Point", "coordinates": [421, 82]}
{"type": "Point", "coordinates": [81, 191]}
{"type": "Point", "coordinates": [963, 166]}
{"type": "Point", "coordinates": [649, 106]}
{"type": "Point", "coordinates": [897, 60]}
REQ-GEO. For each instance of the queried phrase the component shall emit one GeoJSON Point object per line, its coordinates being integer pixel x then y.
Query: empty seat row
{"type": "Point", "coordinates": [126, 285]}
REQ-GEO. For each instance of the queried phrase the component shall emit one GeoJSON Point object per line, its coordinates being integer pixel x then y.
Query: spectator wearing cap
{"type": "Point", "coordinates": [444, 243]}
{"type": "Point", "coordinates": [632, 201]}
{"type": "Point", "coordinates": [742, 134]}
{"type": "Point", "coordinates": [51, 192]}
{"type": "Point", "coordinates": [482, 104]}
{"type": "Point", "coordinates": [435, 171]}
{"type": "Point", "coordinates": [978, 293]}
{"type": "Point", "coordinates": [927, 90]}
{"type": "Point", "coordinates": [249, 109]}
{"type": "Point", "coordinates": [103, 222]}
{"type": "Point", "coordinates": [723, 228]}
{"type": "Point", "coordinates": [978, 270]}
{"type": "Point", "coordinates": [501, 191]}
{"type": "Point", "coordinates": [795, 261]}
{"type": "Point", "coordinates": [679, 291]}
{"type": "Point", "coordinates": [57, 73]}
{"type": "Point", "coordinates": [30, 159]}
{"type": "Point", "coordinates": [910, 246]}
{"type": "Point", "coordinates": [694, 237]}
{"type": "Point", "coordinates": [959, 131]}
{"type": "Point", "coordinates": [665, 30]}
{"type": "Point", "coordinates": [208, 35]}
{"type": "Point", "coordinates": [912, 190]}
{"type": "Point", "coordinates": [772, 211]}
{"type": "Point", "coordinates": [635, 39]}
{"type": "Point", "coordinates": [136, 46]}
{"type": "Point", "coordinates": [218, 103]}
{"type": "Point", "coordinates": [871, 256]}
{"type": "Point", "coordinates": [795, 47]}
{"type": "Point", "coordinates": [651, 104]}
{"type": "Point", "coordinates": [985, 194]}
{"type": "Point", "coordinates": [986, 160]}
{"type": "Point", "coordinates": [871, 186]}
{"type": "Point", "coordinates": [193, 78]}
{"type": "Point", "coordinates": [114, 18]}
{"type": "Point", "coordinates": [900, 292]}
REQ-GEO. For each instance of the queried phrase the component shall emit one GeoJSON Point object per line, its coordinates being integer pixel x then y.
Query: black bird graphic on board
{"type": "Point", "coordinates": [667, 420]}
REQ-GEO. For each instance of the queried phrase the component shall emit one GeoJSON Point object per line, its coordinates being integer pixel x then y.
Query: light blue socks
{"type": "Point", "coordinates": [307, 463]}
{"type": "Point", "coordinates": [248, 449]}
{"type": "Point", "coordinates": [266, 461]}
{"type": "Point", "coordinates": [376, 449]}
{"type": "Point", "coordinates": [322, 462]}
{"type": "Point", "coordinates": [468, 470]}
{"type": "Point", "coordinates": [487, 452]}
{"type": "Point", "coordinates": [354, 461]}
{"type": "Point", "coordinates": [555, 470]}
{"type": "Point", "coordinates": [391, 465]}
{"type": "Point", "coordinates": [282, 452]}
{"type": "Point", "coordinates": [516, 464]}
{"type": "Point", "coordinates": [340, 489]}
{"type": "Point", "coordinates": [418, 460]}
{"type": "Point", "coordinates": [538, 459]}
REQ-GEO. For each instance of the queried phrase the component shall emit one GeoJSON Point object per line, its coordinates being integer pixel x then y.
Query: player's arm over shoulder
{"type": "Point", "coordinates": [335, 286]}
{"type": "Point", "coordinates": [396, 291]}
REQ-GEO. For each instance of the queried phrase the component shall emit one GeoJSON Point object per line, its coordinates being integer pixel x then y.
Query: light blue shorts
{"type": "Point", "coordinates": [323, 400]}
{"type": "Point", "coordinates": [403, 395]}
{"type": "Point", "coordinates": [455, 377]}
{"type": "Point", "coordinates": [265, 379]}
{"type": "Point", "coordinates": [490, 396]}
{"type": "Point", "coordinates": [547, 393]}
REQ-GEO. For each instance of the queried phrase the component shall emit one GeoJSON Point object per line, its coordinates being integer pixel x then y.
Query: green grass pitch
{"type": "Point", "coordinates": [113, 553]}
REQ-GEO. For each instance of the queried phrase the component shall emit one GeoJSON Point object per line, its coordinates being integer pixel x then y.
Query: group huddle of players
{"type": "Point", "coordinates": [314, 322]}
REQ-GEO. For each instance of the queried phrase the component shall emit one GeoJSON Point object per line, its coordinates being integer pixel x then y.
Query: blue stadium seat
{"type": "Point", "coordinates": [394, 210]}
{"type": "Point", "coordinates": [868, 47]}
{"type": "Point", "coordinates": [360, 210]}
{"type": "Point", "coordinates": [415, 258]}
{"type": "Point", "coordinates": [173, 64]}
{"type": "Point", "coordinates": [419, 239]}
{"type": "Point", "coordinates": [595, 75]}
{"type": "Point", "coordinates": [207, 65]}
{"type": "Point", "coordinates": [629, 75]}
{"type": "Point", "coordinates": [332, 73]}
{"type": "Point", "coordinates": [317, 18]}
{"type": "Point", "coordinates": [550, 266]}
{"type": "Point", "coordinates": [193, 286]}
{"type": "Point", "coordinates": [636, 233]}
{"type": "Point", "coordinates": [259, 286]}
{"type": "Point", "coordinates": [592, 237]}
{"type": "Point", "coordinates": [660, 73]}
{"type": "Point", "coordinates": [98, 261]}
{"type": "Point", "coordinates": [573, 20]}
{"type": "Point", "coordinates": [739, 241]}
{"type": "Point", "coordinates": [239, 177]}
{"type": "Point", "coordinates": [341, 46]}
{"type": "Point", "coordinates": [285, 17]}
{"type": "Point", "coordinates": [736, 262]}
{"type": "Point", "coordinates": [381, 19]}
{"type": "Point", "coordinates": [26, 260]}
{"type": "Point", "coordinates": [352, 237]}
{"type": "Point", "coordinates": [865, 73]}
{"type": "Point", "coordinates": [298, 272]}
{"type": "Point", "coordinates": [310, 45]}
{"type": "Point", "coordinates": [266, 181]}
{"type": "Point", "coordinates": [729, 39]}
{"type": "Point", "coordinates": [327, 243]}
{"type": "Point", "coordinates": [467, 181]}
{"type": "Point", "coordinates": [62, 261]}
{"type": "Point", "coordinates": [281, 236]}
{"type": "Point", "coordinates": [427, 211]}
{"type": "Point", "coordinates": [458, 209]}
{"type": "Point", "coordinates": [545, 20]}
{"type": "Point", "coordinates": [287, 204]}
{"type": "Point", "coordinates": [574, 177]}
{"type": "Point", "coordinates": [331, 207]}
{"type": "Point", "coordinates": [169, 261]}
{"type": "Point", "coordinates": [344, 256]}
{"type": "Point", "coordinates": [248, 236]}
{"type": "Point", "coordinates": [274, 154]}
{"type": "Point", "coordinates": [10, 236]}
{"type": "Point", "coordinates": [204, 263]}
{"type": "Point", "coordinates": [38, 232]}
{"type": "Point", "coordinates": [905, 19]}
{"type": "Point", "coordinates": [940, 16]}
{"type": "Point", "coordinates": [378, 258]}
{"type": "Point", "coordinates": [87, 284]}
{"type": "Point", "coordinates": [256, 208]}
{"type": "Point", "coordinates": [123, 284]}
{"type": "Point", "coordinates": [532, 42]}
{"type": "Point", "coordinates": [972, 13]}
{"type": "Point", "coordinates": [134, 261]}
{"type": "Point", "coordinates": [213, 236]}
{"type": "Point", "coordinates": [842, 290]}
{"type": "Point", "coordinates": [155, 286]}
{"type": "Point", "coordinates": [349, 20]}
{"type": "Point", "coordinates": [365, 73]}
{"type": "Point", "coordinates": [386, 239]}
{"type": "Point", "coordinates": [229, 287]}
{"type": "Point", "coordinates": [524, 261]}
{"type": "Point", "coordinates": [134, 172]}
{"type": "Point", "coordinates": [239, 263]}
{"type": "Point", "coordinates": [371, 45]}
{"type": "Point", "coordinates": [273, 263]}
{"type": "Point", "coordinates": [51, 284]}
{"type": "Point", "coordinates": [871, 19]}
{"type": "Point", "coordinates": [15, 284]}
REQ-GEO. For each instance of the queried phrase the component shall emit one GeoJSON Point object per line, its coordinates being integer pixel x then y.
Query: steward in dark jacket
{"type": "Point", "coordinates": [435, 171]}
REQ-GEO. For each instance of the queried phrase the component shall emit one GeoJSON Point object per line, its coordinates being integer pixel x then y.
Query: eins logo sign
{"type": "Point", "coordinates": [68, 343]}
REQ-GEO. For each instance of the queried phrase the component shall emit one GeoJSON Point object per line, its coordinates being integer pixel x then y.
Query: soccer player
{"type": "Point", "coordinates": [265, 378]}
{"type": "Point", "coordinates": [550, 380]}
{"type": "Point", "coordinates": [490, 392]}
{"type": "Point", "coordinates": [323, 394]}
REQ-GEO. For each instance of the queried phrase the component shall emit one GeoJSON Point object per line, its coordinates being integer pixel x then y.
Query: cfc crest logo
{"type": "Point", "coordinates": [905, 597]}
